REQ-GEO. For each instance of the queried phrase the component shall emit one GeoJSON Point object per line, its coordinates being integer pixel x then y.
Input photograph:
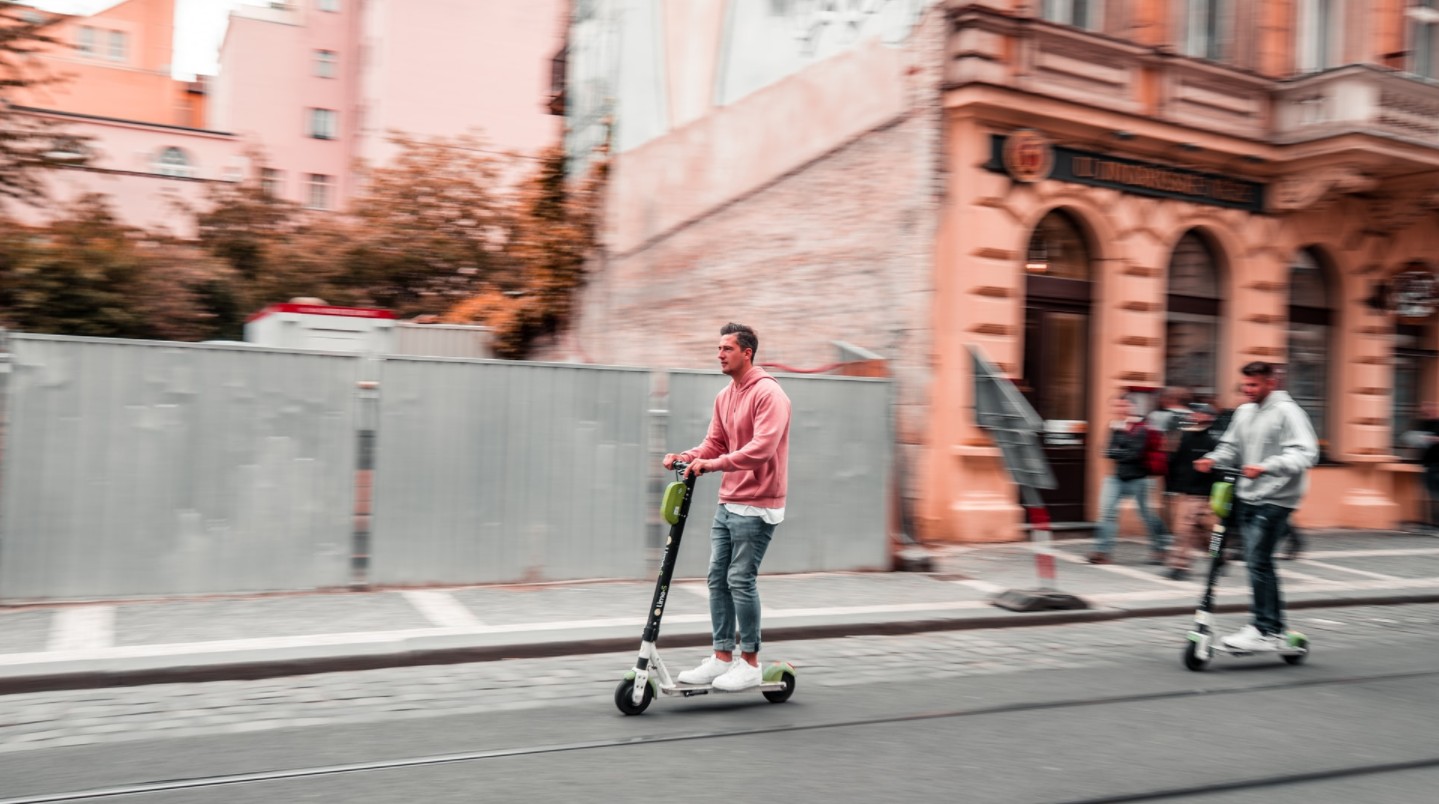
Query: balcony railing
{"type": "Point", "coordinates": [1357, 98]}
{"type": "Point", "coordinates": [990, 47]}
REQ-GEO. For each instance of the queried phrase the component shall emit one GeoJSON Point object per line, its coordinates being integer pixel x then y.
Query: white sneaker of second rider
{"type": "Point", "coordinates": [1249, 638]}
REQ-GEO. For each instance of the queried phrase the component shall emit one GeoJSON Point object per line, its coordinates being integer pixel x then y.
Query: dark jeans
{"type": "Point", "coordinates": [1263, 526]}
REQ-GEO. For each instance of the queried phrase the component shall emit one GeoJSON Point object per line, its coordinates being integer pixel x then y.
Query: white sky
{"type": "Point", "coordinates": [199, 27]}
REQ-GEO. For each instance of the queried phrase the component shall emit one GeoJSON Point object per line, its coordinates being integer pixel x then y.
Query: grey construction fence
{"type": "Point", "coordinates": [139, 468]}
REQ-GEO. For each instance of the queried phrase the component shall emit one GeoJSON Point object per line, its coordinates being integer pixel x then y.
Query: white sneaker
{"type": "Point", "coordinates": [741, 676]}
{"type": "Point", "coordinates": [710, 669]}
{"type": "Point", "coordinates": [1248, 638]}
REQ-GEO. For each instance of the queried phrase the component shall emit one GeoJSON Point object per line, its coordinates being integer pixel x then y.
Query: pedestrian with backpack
{"type": "Point", "coordinates": [1128, 448]}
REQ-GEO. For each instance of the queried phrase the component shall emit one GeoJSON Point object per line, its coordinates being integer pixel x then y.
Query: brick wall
{"type": "Point", "coordinates": [838, 249]}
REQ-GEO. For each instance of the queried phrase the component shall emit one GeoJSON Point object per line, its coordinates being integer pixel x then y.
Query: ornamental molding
{"type": "Point", "coordinates": [1318, 188]}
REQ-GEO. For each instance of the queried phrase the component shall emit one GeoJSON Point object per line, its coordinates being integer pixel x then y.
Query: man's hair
{"type": "Point", "coordinates": [744, 336]}
{"type": "Point", "coordinates": [1258, 368]}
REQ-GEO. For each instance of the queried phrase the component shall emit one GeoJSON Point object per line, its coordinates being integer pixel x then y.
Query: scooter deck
{"type": "Point", "coordinates": [702, 689]}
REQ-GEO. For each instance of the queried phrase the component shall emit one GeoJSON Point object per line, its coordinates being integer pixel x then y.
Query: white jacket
{"type": "Point", "coordinates": [1277, 435]}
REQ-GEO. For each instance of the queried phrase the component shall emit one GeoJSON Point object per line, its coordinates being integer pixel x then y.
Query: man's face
{"type": "Point", "coordinates": [732, 359]}
{"type": "Point", "coordinates": [1255, 389]}
{"type": "Point", "coordinates": [1123, 408]}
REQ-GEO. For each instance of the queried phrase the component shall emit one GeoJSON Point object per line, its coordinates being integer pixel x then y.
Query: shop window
{"type": "Point", "coordinates": [1087, 14]}
{"type": "Point", "coordinates": [1057, 249]}
{"type": "Point", "coordinates": [1191, 325]}
{"type": "Point", "coordinates": [173, 161]}
{"type": "Point", "coordinates": [1319, 34]}
{"type": "Point", "coordinates": [1311, 328]}
{"type": "Point", "coordinates": [1415, 361]}
{"type": "Point", "coordinates": [1423, 37]}
{"type": "Point", "coordinates": [1206, 28]}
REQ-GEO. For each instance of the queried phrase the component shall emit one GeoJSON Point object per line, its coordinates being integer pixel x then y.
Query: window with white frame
{"type": "Point", "coordinates": [328, 5]}
{"type": "Point", "coordinates": [324, 124]}
{"type": "Point", "coordinates": [271, 182]}
{"type": "Point", "coordinates": [85, 39]}
{"type": "Point", "coordinates": [119, 48]}
{"type": "Point", "coordinates": [1206, 29]}
{"type": "Point", "coordinates": [325, 63]}
{"type": "Point", "coordinates": [173, 161]}
{"type": "Point", "coordinates": [317, 190]}
{"type": "Point", "coordinates": [1087, 14]}
{"type": "Point", "coordinates": [1319, 35]}
{"type": "Point", "coordinates": [1423, 37]}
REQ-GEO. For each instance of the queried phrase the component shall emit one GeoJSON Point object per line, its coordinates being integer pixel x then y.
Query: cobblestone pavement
{"type": "Point", "coordinates": [52, 719]}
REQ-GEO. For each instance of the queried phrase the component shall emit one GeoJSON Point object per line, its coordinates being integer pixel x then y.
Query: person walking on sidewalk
{"type": "Point", "coordinates": [1273, 444]}
{"type": "Point", "coordinates": [1128, 438]}
{"type": "Point", "coordinates": [1193, 519]}
{"type": "Point", "coordinates": [748, 440]}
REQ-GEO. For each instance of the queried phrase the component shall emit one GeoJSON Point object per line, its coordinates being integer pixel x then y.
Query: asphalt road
{"type": "Point", "coordinates": [1074, 713]}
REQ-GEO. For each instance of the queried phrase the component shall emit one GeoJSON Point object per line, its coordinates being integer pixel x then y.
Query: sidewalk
{"type": "Point", "coordinates": [76, 646]}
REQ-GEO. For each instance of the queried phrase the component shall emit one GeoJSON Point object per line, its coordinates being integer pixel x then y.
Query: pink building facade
{"type": "Point", "coordinates": [320, 85]}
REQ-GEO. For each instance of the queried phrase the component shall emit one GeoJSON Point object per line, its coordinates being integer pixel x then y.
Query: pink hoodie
{"type": "Point", "coordinates": [749, 437]}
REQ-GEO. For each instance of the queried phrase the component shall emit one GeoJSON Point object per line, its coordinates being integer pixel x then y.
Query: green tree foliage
{"type": "Point", "coordinates": [88, 274]}
{"type": "Point", "coordinates": [552, 233]}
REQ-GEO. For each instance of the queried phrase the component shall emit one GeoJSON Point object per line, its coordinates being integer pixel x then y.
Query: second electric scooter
{"type": "Point", "coordinates": [638, 688]}
{"type": "Point", "coordinates": [1203, 643]}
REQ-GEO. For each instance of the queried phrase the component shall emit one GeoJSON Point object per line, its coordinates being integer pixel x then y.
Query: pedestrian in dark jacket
{"type": "Point", "coordinates": [1193, 518]}
{"type": "Point", "coordinates": [1128, 438]}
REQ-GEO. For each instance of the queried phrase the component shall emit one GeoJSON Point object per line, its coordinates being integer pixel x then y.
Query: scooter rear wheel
{"type": "Point", "coordinates": [625, 699]}
{"type": "Point", "coordinates": [780, 696]}
{"type": "Point", "coordinates": [1192, 660]}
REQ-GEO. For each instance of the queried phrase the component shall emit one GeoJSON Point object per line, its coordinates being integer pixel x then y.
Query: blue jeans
{"type": "Point", "coordinates": [737, 545]}
{"type": "Point", "coordinates": [1263, 526]}
{"type": "Point", "coordinates": [1115, 490]}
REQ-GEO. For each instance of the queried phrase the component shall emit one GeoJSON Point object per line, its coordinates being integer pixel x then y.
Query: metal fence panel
{"type": "Point", "coordinates": [839, 469]}
{"type": "Point", "coordinates": [144, 468]}
{"type": "Point", "coordinates": [492, 471]}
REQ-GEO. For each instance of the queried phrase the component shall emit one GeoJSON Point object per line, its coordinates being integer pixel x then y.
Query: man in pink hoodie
{"type": "Point", "coordinates": [748, 440]}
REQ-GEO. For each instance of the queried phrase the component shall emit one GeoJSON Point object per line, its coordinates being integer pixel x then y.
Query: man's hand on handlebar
{"type": "Point", "coordinates": [1204, 465]}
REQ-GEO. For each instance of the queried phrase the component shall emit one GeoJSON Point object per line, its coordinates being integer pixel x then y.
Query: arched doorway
{"type": "Point", "coordinates": [1056, 354]}
{"type": "Point", "coordinates": [1192, 315]}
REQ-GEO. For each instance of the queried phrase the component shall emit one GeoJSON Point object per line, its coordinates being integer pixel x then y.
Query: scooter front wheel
{"type": "Point", "coordinates": [1192, 660]}
{"type": "Point", "coordinates": [625, 698]}
{"type": "Point", "coordinates": [780, 696]}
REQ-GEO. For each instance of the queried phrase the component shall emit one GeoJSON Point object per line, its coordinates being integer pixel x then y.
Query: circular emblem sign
{"type": "Point", "coordinates": [1415, 294]}
{"type": "Point", "coordinates": [1028, 156]}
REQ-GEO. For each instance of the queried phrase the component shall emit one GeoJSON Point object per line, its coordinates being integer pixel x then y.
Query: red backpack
{"type": "Point", "coordinates": [1156, 460]}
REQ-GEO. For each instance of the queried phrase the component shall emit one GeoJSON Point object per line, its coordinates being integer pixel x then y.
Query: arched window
{"type": "Point", "coordinates": [173, 162]}
{"type": "Point", "coordinates": [1057, 249]}
{"type": "Point", "coordinates": [1311, 328]}
{"type": "Point", "coordinates": [1191, 324]}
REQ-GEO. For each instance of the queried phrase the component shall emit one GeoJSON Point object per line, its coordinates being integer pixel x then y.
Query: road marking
{"type": "Point", "coordinates": [1287, 573]}
{"type": "Point", "coordinates": [983, 586]}
{"type": "Point", "coordinates": [1398, 551]}
{"type": "Point", "coordinates": [83, 628]}
{"type": "Point", "coordinates": [697, 589]}
{"type": "Point", "coordinates": [441, 608]}
{"type": "Point", "coordinates": [1339, 568]}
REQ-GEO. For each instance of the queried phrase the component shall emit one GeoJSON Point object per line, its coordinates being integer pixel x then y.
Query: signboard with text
{"type": "Point", "coordinates": [1118, 173]}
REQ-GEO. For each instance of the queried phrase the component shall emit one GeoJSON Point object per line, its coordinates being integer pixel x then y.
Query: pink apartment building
{"type": "Point", "coordinates": [316, 86]}
{"type": "Point", "coordinates": [141, 128]}
{"type": "Point", "coordinates": [320, 85]}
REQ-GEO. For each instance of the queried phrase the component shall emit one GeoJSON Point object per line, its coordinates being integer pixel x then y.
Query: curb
{"type": "Point", "coordinates": [250, 669]}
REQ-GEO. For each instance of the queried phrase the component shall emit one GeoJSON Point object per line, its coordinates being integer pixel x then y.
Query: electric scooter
{"type": "Point", "coordinates": [649, 676]}
{"type": "Point", "coordinates": [1203, 643]}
